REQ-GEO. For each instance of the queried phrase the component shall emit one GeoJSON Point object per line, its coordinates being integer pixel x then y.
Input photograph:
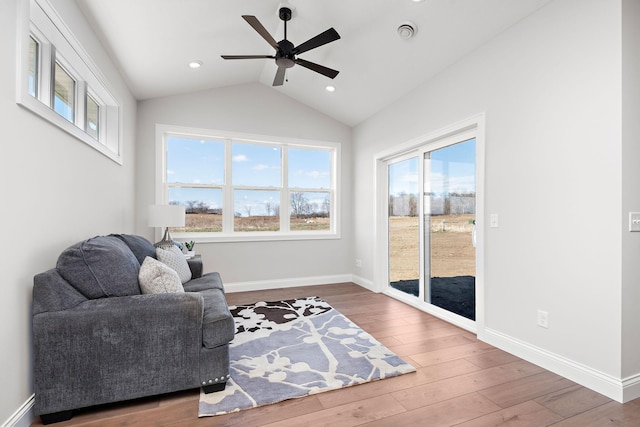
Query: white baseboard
{"type": "Point", "coordinates": [24, 416]}
{"type": "Point", "coordinates": [631, 388]}
{"type": "Point", "coordinates": [261, 285]}
{"type": "Point", "coordinates": [365, 283]}
{"type": "Point", "coordinates": [605, 384]}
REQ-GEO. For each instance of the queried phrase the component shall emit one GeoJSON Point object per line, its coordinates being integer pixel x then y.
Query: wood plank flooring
{"type": "Point", "coordinates": [460, 381]}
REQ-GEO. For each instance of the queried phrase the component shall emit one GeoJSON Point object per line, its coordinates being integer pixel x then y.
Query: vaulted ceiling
{"type": "Point", "coordinates": [153, 41]}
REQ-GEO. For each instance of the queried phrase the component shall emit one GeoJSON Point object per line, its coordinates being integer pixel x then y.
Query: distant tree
{"type": "Point", "coordinates": [273, 209]}
{"type": "Point", "coordinates": [191, 206]}
{"type": "Point", "coordinates": [413, 204]}
{"type": "Point", "coordinates": [326, 206]}
{"type": "Point", "coordinates": [299, 204]}
{"type": "Point", "coordinates": [247, 209]}
{"type": "Point", "coordinates": [201, 207]}
{"type": "Point", "coordinates": [447, 204]}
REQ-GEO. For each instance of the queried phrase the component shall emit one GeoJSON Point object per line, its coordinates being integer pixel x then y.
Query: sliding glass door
{"type": "Point", "coordinates": [404, 225]}
{"type": "Point", "coordinates": [449, 231]}
{"type": "Point", "coordinates": [431, 225]}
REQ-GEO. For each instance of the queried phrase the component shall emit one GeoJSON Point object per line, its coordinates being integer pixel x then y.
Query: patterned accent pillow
{"type": "Point", "coordinates": [174, 258]}
{"type": "Point", "coordinates": [158, 278]}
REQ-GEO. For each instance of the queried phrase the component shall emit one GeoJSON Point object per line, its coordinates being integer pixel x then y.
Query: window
{"type": "Point", "coordinates": [34, 54]}
{"type": "Point", "coordinates": [58, 81]}
{"type": "Point", "coordinates": [239, 188]}
{"type": "Point", "coordinates": [64, 93]}
{"type": "Point", "coordinates": [93, 117]}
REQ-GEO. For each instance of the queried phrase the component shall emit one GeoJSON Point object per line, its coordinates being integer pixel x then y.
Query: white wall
{"type": "Point", "coordinates": [551, 90]}
{"type": "Point", "coordinates": [630, 193]}
{"type": "Point", "coordinates": [56, 190]}
{"type": "Point", "coordinates": [253, 109]}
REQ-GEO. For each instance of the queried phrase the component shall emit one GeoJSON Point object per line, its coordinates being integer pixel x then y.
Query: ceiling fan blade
{"type": "Point", "coordinates": [253, 21]}
{"type": "Point", "coordinates": [246, 56]}
{"type": "Point", "coordinates": [317, 68]}
{"type": "Point", "coordinates": [321, 39]}
{"type": "Point", "coordinates": [279, 79]}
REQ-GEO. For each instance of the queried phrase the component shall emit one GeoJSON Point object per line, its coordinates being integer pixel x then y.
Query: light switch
{"type": "Point", "coordinates": [493, 221]}
{"type": "Point", "coordinates": [634, 221]}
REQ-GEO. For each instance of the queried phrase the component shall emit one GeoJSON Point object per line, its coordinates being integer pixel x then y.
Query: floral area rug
{"type": "Point", "coordinates": [294, 348]}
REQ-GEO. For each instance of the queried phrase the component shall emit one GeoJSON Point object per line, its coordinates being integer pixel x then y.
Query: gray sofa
{"type": "Point", "coordinates": [97, 339]}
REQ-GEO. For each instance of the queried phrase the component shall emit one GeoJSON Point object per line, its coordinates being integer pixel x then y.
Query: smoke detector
{"type": "Point", "coordinates": [406, 30]}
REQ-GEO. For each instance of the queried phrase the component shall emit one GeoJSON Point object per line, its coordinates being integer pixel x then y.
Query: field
{"type": "Point", "coordinates": [452, 253]}
{"type": "Point", "coordinates": [198, 222]}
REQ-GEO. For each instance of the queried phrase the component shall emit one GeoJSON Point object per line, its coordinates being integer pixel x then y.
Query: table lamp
{"type": "Point", "coordinates": [166, 216]}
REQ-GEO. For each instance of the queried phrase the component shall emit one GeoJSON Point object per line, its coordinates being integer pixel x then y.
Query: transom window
{"type": "Point", "coordinates": [236, 188]}
{"type": "Point", "coordinates": [58, 81]}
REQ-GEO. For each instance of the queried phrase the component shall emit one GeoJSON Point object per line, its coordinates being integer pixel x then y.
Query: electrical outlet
{"type": "Point", "coordinates": [543, 319]}
{"type": "Point", "coordinates": [358, 262]}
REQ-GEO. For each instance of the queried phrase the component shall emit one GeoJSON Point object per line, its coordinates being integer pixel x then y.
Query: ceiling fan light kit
{"type": "Point", "coordinates": [285, 56]}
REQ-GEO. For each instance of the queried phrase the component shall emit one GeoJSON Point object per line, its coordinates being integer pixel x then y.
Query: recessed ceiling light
{"type": "Point", "coordinates": [330, 88]}
{"type": "Point", "coordinates": [195, 64]}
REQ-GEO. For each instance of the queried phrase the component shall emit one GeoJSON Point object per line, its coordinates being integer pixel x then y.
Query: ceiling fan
{"type": "Point", "coordinates": [285, 50]}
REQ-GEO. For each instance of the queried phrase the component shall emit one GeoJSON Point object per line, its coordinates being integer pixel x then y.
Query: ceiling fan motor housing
{"type": "Point", "coordinates": [284, 56]}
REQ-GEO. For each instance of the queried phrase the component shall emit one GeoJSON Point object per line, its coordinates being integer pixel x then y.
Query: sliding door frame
{"type": "Point", "coordinates": [473, 127]}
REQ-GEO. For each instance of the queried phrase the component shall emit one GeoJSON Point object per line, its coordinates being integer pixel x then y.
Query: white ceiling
{"type": "Point", "coordinates": [152, 42]}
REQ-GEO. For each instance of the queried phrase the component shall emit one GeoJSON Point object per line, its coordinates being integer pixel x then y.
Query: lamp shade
{"type": "Point", "coordinates": [166, 216]}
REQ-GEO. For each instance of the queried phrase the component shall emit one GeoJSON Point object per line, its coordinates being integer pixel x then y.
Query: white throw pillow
{"type": "Point", "coordinates": [158, 278]}
{"type": "Point", "coordinates": [174, 258]}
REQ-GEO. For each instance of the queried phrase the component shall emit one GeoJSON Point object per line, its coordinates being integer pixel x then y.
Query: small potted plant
{"type": "Point", "coordinates": [189, 247]}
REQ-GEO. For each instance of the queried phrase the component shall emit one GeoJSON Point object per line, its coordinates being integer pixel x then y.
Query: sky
{"type": "Point", "coordinates": [200, 161]}
{"type": "Point", "coordinates": [452, 170]}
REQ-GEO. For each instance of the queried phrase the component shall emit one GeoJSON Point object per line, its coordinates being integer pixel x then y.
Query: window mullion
{"type": "Point", "coordinates": [81, 104]}
{"type": "Point", "coordinates": [48, 63]}
{"type": "Point", "coordinates": [228, 210]}
{"type": "Point", "coordinates": [284, 194]}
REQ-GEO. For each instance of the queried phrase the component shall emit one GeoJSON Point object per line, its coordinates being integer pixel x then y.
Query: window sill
{"type": "Point", "coordinates": [37, 107]}
{"type": "Point", "coordinates": [253, 237]}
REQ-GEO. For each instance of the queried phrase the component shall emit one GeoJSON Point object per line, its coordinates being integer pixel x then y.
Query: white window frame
{"type": "Point", "coordinates": [38, 19]}
{"type": "Point", "coordinates": [227, 235]}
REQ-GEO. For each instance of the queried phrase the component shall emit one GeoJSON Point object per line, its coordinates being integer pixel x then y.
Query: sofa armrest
{"type": "Point", "coordinates": [195, 265]}
{"type": "Point", "coordinates": [132, 346]}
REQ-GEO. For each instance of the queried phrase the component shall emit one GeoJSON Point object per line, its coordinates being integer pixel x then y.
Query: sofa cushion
{"type": "Point", "coordinates": [140, 246]}
{"type": "Point", "coordinates": [100, 267]}
{"type": "Point", "coordinates": [174, 258]}
{"type": "Point", "coordinates": [158, 278]}
{"type": "Point", "coordinates": [218, 327]}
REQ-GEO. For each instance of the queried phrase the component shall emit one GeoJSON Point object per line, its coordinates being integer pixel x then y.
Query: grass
{"type": "Point", "coordinates": [198, 222]}
{"type": "Point", "coordinates": [451, 250]}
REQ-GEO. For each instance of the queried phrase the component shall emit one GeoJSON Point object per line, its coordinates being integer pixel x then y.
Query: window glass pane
{"type": "Point", "coordinates": [310, 210]}
{"type": "Point", "coordinates": [256, 210]}
{"type": "Point", "coordinates": [195, 161]}
{"type": "Point", "coordinates": [93, 117]}
{"type": "Point", "coordinates": [34, 48]}
{"type": "Point", "coordinates": [64, 94]}
{"type": "Point", "coordinates": [203, 208]}
{"type": "Point", "coordinates": [309, 168]}
{"type": "Point", "coordinates": [257, 165]}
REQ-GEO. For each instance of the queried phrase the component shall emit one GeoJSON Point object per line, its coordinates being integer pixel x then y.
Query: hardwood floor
{"type": "Point", "coordinates": [459, 381]}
